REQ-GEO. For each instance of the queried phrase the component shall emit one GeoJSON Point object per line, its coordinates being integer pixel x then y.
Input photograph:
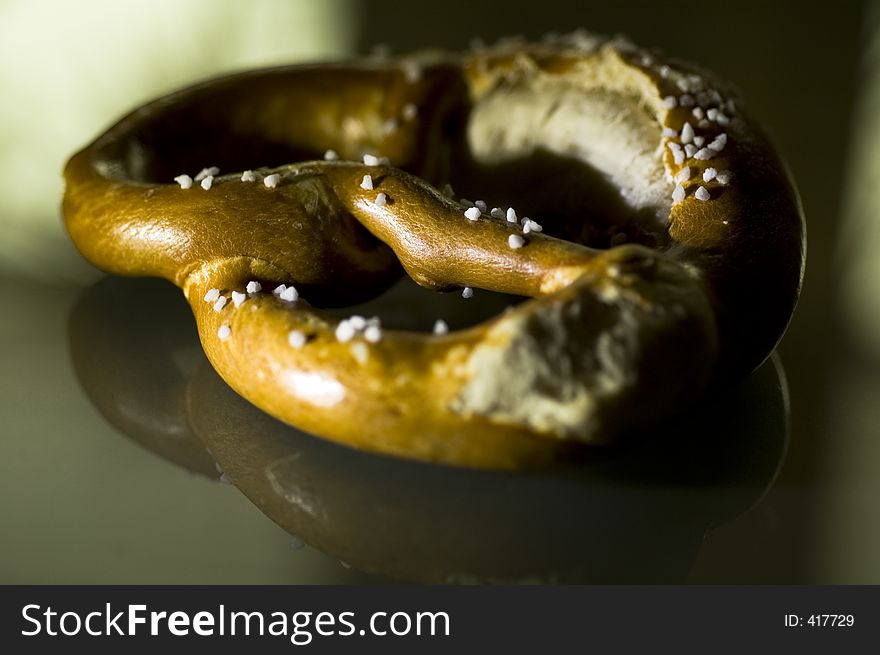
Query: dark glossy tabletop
{"type": "Point", "coordinates": [131, 460]}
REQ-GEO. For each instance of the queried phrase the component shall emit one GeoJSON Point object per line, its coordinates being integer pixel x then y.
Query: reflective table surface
{"type": "Point", "coordinates": [130, 460]}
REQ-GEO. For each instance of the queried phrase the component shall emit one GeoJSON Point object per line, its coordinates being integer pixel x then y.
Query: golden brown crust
{"type": "Point", "coordinates": [614, 338]}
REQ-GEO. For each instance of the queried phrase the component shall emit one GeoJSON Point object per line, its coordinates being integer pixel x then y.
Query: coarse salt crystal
{"type": "Point", "coordinates": [719, 142]}
{"type": "Point", "coordinates": [678, 194]}
{"type": "Point", "coordinates": [220, 304]}
{"type": "Point", "coordinates": [372, 160]}
{"type": "Point", "coordinates": [296, 338]}
{"type": "Point", "coordinates": [344, 331]}
{"type": "Point", "coordinates": [238, 298]}
{"type": "Point", "coordinates": [373, 334]}
{"type": "Point", "coordinates": [205, 172]}
{"type": "Point", "coordinates": [709, 174]}
{"type": "Point", "coordinates": [531, 226]}
{"type": "Point", "coordinates": [467, 292]}
{"type": "Point", "coordinates": [687, 133]}
{"type": "Point", "coordinates": [290, 294]}
{"type": "Point", "coordinates": [515, 241]}
{"type": "Point", "coordinates": [248, 176]}
{"type": "Point", "coordinates": [440, 327]}
{"type": "Point", "coordinates": [253, 287]}
{"type": "Point", "coordinates": [224, 332]}
{"type": "Point", "coordinates": [207, 182]}
{"type": "Point", "coordinates": [185, 181]}
{"type": "Point", "coordinates": [331, 155]}
{"type": "Point", "coordinates": [271, 181]}
{"type": "Point", "coordinates": [212, 295]}
{"type": "Point", "coordinates": [367, 183]}
{"type": "Point", "coordinates": [702, 194]}
{"type": "Point", "coordinates": [472, 213]}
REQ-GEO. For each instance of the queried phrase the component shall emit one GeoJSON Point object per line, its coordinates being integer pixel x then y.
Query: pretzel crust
{"type": "Point", "coordinates": [614, 338]}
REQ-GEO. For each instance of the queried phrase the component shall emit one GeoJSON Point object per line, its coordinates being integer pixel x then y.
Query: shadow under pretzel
{"type": "Point", "coordinates": [635, 513]}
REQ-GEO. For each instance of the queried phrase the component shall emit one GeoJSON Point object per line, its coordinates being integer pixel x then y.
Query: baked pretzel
{"type": "Point", "coordinates": [667, 253]}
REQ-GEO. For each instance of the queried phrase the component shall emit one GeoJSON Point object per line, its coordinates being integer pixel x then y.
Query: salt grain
{"type": "Point", "coordinates": [290, 294]}
{"type": "Point", "coordinates": [687, 133]}
{"type": "Point", "coordinates": [344, 331]}
{"type": "Point", "coordinates": [185, 181]}
{"type": "Point", "coordinates": [373, 334]}
{"type": "Point", "coordinates": [271, 181]}
{"type": "Point", "coordinates": [678, 194]}
{"type": "Point", "coordinates": [719, 142]}
{"type": "Point", "coordinates": [207, 172]}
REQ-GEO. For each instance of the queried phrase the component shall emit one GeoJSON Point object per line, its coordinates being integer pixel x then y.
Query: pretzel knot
{"type": "Point", "coordinates": [667, 256]}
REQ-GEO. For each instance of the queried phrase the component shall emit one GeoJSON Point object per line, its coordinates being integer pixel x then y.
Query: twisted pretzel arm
{"type": "Point", "coordinates": [614, 338]}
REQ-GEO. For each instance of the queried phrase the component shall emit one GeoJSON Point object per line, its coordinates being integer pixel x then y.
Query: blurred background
{"type": "Point", "coordinates": [79, 504]}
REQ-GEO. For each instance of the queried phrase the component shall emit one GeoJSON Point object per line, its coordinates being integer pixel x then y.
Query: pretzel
{"type": "Point", "coordinates": [668, 255]}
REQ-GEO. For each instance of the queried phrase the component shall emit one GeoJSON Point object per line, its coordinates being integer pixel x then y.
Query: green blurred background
{"type": "Point", "coordinates": [80, 504]}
